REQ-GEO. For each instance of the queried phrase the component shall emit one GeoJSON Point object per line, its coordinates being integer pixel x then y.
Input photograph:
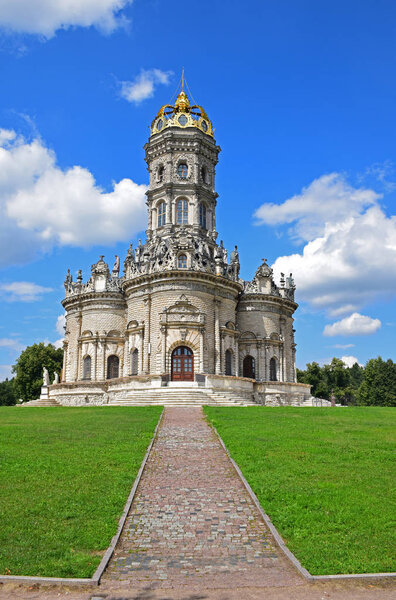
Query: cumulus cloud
{"type": "Point", "coordinates": [60, 324]}
{"type": "Point", "coordinates": [42, 205]}
{"type": "Point", "coordinates": [349, 361]}
{"type": "Point", "coordinates": [355, 324]}
{"type": "Point", "coordinates": [328, 199]}
{"type": "Point", "coordinates": [23, 291]}
{"type": "Point", "coordinates": [143, 86]}
{"type": "Point", "coordinates": [349, 257]}
{"type": "Point", "coordinates": [5, 372]}
{"type": "Point", "coordinates": [45, 17]}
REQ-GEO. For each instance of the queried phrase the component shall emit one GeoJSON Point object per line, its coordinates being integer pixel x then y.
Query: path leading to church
{"type": "Point", "coordinates": [192, 522]}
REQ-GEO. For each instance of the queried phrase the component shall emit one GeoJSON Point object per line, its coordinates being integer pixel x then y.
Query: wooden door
{"type": "Point", "coordinates": [182, 364]}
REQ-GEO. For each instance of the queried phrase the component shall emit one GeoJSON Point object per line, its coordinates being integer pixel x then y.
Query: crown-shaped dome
{"type": "Point", "coordinates": [182, 115]}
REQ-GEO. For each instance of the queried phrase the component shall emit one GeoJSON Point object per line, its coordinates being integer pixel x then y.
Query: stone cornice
{"type": "Point", "coordinates": [256, 298]}
{"type": "Point", "coordinates": [183, 276]}
{"type": "Point", "coordinates": [84, 299]}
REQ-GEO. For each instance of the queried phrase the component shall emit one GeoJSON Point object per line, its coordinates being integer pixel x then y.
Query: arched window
{"type": "Point", "coordinates": [273, 369]}
{"type": "Point", "coordinates": [161, 214]}
{"type": "Point", "coordinates": [204, 174]}
{"type": "Point", "coordinates": [202, 215]}
{"type": "Point", "coordinates": [228, 362]}
{"type": "Point", "coordinates": [182, 261]}
{"type": "Point", "coordinates": [87, 367]}
{"type": "Point", "coordinates": [182, 170]}
{"type": "Point", "coordinates": [135, 362]}
{"type": "Point", "coordinates": [161, 172]}
{"type": "Point", "coordinates": [182, 212]}
{"type": "Point", "coordinates": [249, 367]}
{"type": "Point", "coordinates": [113, 367]}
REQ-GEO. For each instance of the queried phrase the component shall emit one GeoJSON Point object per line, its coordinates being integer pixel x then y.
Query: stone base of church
{"type": "Point", "coordinates": [101, 393]}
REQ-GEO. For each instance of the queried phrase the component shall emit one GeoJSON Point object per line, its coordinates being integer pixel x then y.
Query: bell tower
{"type": "Point", "coordinates": [181, 157]}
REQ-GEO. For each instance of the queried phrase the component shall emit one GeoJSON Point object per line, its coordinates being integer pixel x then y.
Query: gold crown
{"type": "Point", "coordinates": [182, 115]}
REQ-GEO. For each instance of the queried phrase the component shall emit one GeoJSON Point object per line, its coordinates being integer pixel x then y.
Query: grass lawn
{"type": "Point", "coordinates": [325, 478]}
{"type": "Point", "coordinates": [65, 475]}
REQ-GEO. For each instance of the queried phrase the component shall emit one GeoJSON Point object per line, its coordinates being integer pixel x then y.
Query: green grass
{"type": "Point", "coordinates": [325, 478]}
{"type": "Point", "coordinates": [65, 475]}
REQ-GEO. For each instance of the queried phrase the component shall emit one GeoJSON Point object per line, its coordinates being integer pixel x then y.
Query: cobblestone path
{"type": "Point", "coordinates": [192, 522]}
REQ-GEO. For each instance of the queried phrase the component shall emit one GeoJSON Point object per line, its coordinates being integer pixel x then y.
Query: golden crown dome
{"type": "Point", "coordinates": [182, 115]}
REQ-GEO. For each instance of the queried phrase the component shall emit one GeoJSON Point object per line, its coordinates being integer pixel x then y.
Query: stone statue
{"type": "Point", "coordinates": [290, 282]}
{"type": "Point", "coordinates": [79, 276]}
{"type": "Point", "coordinates": [46, 380]}
{"type": "Point", "coordinates": [56, 378]}
{"type": "Point", "coordinates": [116, 268]}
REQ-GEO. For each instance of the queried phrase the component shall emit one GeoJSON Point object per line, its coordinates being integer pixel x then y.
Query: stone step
{"type": "Point", "coordinates": [49, 402]}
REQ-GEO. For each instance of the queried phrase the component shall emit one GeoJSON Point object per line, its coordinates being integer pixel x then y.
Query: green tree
{"type": "Point", "coordinates": [29, 369]}
{"type": "Point", "coordinates": [314, 376]}
{"type": "Point", "coordinates": [378, 387]}
{"type": "Point", "coordinates": [8, 395]}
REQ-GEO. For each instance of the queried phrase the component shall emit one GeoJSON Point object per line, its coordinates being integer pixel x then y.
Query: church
{"type": "Point", "coordinates": [178, 321]}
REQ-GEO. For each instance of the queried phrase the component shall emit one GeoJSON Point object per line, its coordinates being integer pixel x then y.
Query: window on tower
{"type": "Point", "coordinates": [202, 215]}
{"type": "Point", "coordinates": [182, 212]}
{"type": "Point", "coordinates": [182, 261]}
{"type": "Point", "coordinates": [182, 170]}
{"type": "Point", "coordinates": [161, 214]}
{"type": "Point", "coordinates": [204, 174]}
{"type": "Point", "coordinates": [161, 171]}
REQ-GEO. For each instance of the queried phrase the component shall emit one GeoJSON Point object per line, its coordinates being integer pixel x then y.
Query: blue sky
{"type": "Point", "coordinates": [302, 96]}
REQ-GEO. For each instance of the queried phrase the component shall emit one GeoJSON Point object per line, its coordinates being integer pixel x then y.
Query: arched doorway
{"type": "Point", "coordinates": [249, 367]}
{"type": "Point", "coordinates": [113, 367]}
{"type": "Point", "coordinates": [182, 364]}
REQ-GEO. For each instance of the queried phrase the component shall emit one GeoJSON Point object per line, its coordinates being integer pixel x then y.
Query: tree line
{"type": "Point", "coordinates": [371, 385]}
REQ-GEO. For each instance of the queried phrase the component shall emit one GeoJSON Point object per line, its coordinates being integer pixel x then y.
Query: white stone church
{"type": "Point", "coordinates": [178, 322]}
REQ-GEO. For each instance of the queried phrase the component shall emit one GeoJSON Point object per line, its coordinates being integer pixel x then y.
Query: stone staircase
{"type": "Point", "coordinates": [41, 402]}
{"type": "Point", "coordinates": [182, 397]}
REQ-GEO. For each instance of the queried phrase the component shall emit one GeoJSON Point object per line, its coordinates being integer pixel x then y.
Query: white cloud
{"type": "Point", "coordinates": [349, 258]}
{"type": "Point", "coordinates": [5, 372]}
{"type": "Point", "coordinates": [328, 199]}
{"type": "Point", "coordinates": [355, 324]}
{"type": "Point", "coordinates": [349, 361]}
{"type": "Point", "coordinates": [343, 346]}
{"type": "Point", "coordinates": [45, 17]}
{"type": "Point", "coordinates": [143, 85]}
{"type": "Point", "coordinates": [23, 291]}
{"type": "Point", "coordinates": [60, 324]}
{"type": "Point", "coordinates": [11, 344]}
{"type": "Point", "coordinates": [42, 205]}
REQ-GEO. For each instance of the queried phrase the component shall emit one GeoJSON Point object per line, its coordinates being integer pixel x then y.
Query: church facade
{"type": "Point", "coordinates": [178, 314]}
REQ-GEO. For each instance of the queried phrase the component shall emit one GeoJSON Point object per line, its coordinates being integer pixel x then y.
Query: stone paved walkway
{"type": "Point", "coordinates": [192, 522]}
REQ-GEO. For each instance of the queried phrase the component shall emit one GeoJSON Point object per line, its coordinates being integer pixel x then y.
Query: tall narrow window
{"type": "Point", "coordinates": [228, 362]}
{"type": "Point", "coordinates": [161, 172]}
{"type": "Point", "coordinates": [202, 215]}
{"type": "Point", "coordinates": [182, 212]}
{"type": "Point", "coordinates": [87, 367]}
{"type": "Point", "coordinates": [161, 214]}
{"type": "Point", "coordinates": [113, 366]}
{"type": "Point", "coordinates": [204, 175]}
{"type": "Point", "coordinates": [135, 362]}
{"type": "Point", "coordinates": [182, 171]}
{"type": "Point", "coordinates": [182, 261]}
{"type": "Point", "coordinates": [273, 369]}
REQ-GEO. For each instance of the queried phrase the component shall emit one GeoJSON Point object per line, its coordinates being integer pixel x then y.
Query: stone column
{"type": "Point", "coordinates": [146, 344]}
{"type": "Point", "coordinates": [65, 362]}
{"type": "Point", "coordinates": [217, 338]}
{"type": "Point", "coordinates": [201, 349]}
{"type": "Point", "coordinates": [126, 361]}
{"type": "Point", "coordinates": [163, 349]}
{"type": "Point", "coordinates": [94, 375]}
{"type": "Point", "coordinates": [103, 340]}
{"type": "Point", "coordinates": [236, 366]}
